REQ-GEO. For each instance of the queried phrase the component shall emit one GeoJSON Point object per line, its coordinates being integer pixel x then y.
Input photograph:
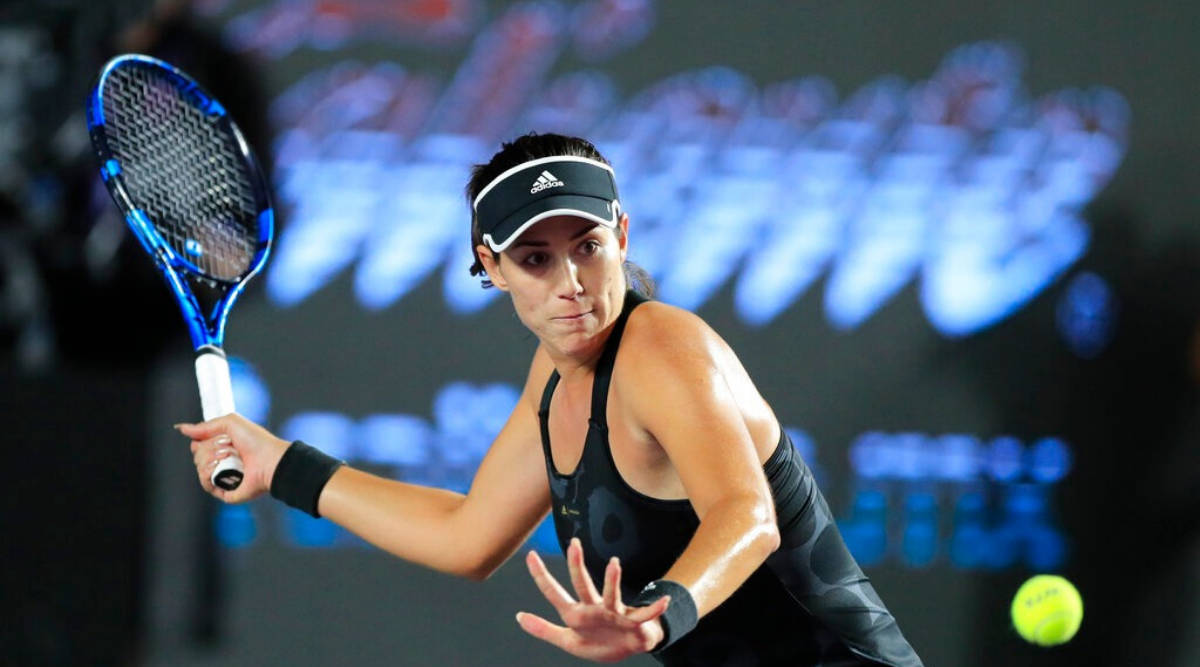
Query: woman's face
{"type": "Point", "coordinates": [565, 278]}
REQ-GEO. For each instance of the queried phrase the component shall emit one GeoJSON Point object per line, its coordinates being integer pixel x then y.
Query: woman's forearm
{"type": "Point", "coordinates": [416, 523]}
{"type": "Point", "coordinates": [734, 538]}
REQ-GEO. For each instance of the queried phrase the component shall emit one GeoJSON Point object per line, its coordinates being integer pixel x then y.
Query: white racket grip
{"type": "Point", "coordinates": [216, 400]}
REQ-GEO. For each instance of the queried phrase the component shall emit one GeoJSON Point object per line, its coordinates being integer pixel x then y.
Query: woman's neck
{"type": "Point", "coordinates": [576, 365]}
{"type": "Point", "coordinates": [579, 364]}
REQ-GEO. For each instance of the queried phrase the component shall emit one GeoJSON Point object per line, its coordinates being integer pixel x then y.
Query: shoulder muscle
{"type": "Point", "coordinates": [678, 381]}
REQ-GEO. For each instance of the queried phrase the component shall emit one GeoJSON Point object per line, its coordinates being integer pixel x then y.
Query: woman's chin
{"type": "Point", "coordinates": [573, 340]}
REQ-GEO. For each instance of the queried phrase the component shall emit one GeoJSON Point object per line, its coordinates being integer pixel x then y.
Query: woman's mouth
{"type": "Point", "coordinates": [570, 318]}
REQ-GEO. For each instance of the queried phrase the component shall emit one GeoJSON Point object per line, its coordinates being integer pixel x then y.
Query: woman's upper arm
{"type": "Point", "coordinates": [510, 494]}
{"type": "Point", "coordinates": [681, 396]}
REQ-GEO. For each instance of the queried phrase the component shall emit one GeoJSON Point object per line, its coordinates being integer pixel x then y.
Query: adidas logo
{"type": "Point", "coordinates": [545, 180]}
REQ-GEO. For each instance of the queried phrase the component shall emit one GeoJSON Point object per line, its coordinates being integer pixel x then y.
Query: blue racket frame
{"type": "Point", "coordinates": [206, 329]}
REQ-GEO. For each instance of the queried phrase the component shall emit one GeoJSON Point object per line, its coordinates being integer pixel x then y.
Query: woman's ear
{"type": "Point", "coordinates": [623, 235]}
{"type": "Point", "coordinates": [491, 264]}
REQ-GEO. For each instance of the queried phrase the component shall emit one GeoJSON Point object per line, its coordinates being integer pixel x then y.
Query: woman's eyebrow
{"type": "Point", "coordinates": [520, 244]}
{"type": "Point", "coordinates": [585, 230]}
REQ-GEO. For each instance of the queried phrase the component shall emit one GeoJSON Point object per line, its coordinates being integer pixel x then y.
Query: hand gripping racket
{"type": "Point", "coordinates": [194, 195]}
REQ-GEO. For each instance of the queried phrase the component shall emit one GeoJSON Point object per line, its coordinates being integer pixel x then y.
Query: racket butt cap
{"type": "Point", "coordinates": [228, 473]}
{"type": "Point", "coordinates": [228, 479]}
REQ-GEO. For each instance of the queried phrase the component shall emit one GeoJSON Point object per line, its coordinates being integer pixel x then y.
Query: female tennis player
{"type": "Point", "coordinates": [691, 527]}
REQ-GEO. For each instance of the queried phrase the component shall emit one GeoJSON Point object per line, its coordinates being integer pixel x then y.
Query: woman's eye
{"type": "Point", "coordinates": [590, 247]}
{"type": "Point", "coordinates": [534, 259]}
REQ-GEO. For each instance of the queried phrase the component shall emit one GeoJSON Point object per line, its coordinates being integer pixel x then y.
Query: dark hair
{"type": "Point", "coordinates": [528, 147]}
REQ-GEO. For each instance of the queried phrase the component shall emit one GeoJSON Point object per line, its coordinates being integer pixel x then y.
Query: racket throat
{"type": "Point", "coordinates": [205, 305]}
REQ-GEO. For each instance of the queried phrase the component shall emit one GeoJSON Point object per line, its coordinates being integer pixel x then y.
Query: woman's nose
{"type": "Point", "coordinates": [568, 280]}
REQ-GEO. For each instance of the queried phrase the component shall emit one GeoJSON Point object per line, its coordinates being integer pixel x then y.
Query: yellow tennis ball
{"type": "Point", "coordinates": [1047, 610]}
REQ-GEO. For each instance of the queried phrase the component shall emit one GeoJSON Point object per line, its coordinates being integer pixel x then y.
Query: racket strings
{"type": "Point", "coordinates": [184, 169]}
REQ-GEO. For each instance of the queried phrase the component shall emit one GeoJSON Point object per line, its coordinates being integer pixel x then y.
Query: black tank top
{"type": "Point", "coordinates": [809, 604]}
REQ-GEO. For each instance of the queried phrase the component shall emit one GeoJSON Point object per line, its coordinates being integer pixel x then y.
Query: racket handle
{"type": "Point", "coordinates": [216, 400]}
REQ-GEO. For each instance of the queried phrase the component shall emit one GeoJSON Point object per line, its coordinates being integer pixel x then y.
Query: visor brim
{"type": "Point", "coordinates": [601, 211]}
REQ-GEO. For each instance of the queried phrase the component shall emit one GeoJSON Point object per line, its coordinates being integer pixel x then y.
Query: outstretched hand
{"type": "Point", "coordinates": [599, 626]}
{"type": "Point", "coordinates": [220, 438]}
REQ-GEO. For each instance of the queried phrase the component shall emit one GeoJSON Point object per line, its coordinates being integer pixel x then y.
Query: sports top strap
{"type": "Point", "coordinates": [547, 393]}
{"type": "Point", "coordinates": [604, 367]}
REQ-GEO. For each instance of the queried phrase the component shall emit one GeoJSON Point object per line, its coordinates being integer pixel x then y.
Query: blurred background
{"type": "Point", "coordinates": [954, 243]}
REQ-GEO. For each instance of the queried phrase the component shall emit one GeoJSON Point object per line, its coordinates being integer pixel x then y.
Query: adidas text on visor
{"type": "Point", "coordinates": [544, 188]}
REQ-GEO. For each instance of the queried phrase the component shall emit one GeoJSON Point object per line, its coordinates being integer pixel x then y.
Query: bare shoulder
{"type": "Point", "coordinates": [678, 376]}
{"type": "Point", "coordinates": [660, 336]}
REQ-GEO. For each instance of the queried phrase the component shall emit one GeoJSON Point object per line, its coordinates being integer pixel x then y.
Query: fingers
{"type": "Point", "coordinates": [612, 586]}
{"type": "Point", "coordinates": [202, 473]}
{"type": "Point", "coordinates": [598, 626]}
{"type": "Point", "coordinates": [206, 454]}
{"type": "Point", "coordinates": [203, 430]}
{"type": "Point", "coordinates": [539, 627]}
{"type": "Point", "coordinates": [548, 585]}
{"type": "Point", "coordinates": [584, 588]}
{"type": "Point", "coordinates": [649, 612]}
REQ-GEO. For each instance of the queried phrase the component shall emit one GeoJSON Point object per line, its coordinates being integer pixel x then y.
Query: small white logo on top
{"type": "Point", "coordinates": [544, 181]}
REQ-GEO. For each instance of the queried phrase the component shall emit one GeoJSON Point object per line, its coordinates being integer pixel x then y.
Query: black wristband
{"type": "Point", "coordinates": [300, 476]}
{"type": "Point", "coordinates": [680, 616]}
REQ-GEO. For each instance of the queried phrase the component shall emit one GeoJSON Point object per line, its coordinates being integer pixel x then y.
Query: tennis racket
{"type": "Point", "coordinates": [194, 196]}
